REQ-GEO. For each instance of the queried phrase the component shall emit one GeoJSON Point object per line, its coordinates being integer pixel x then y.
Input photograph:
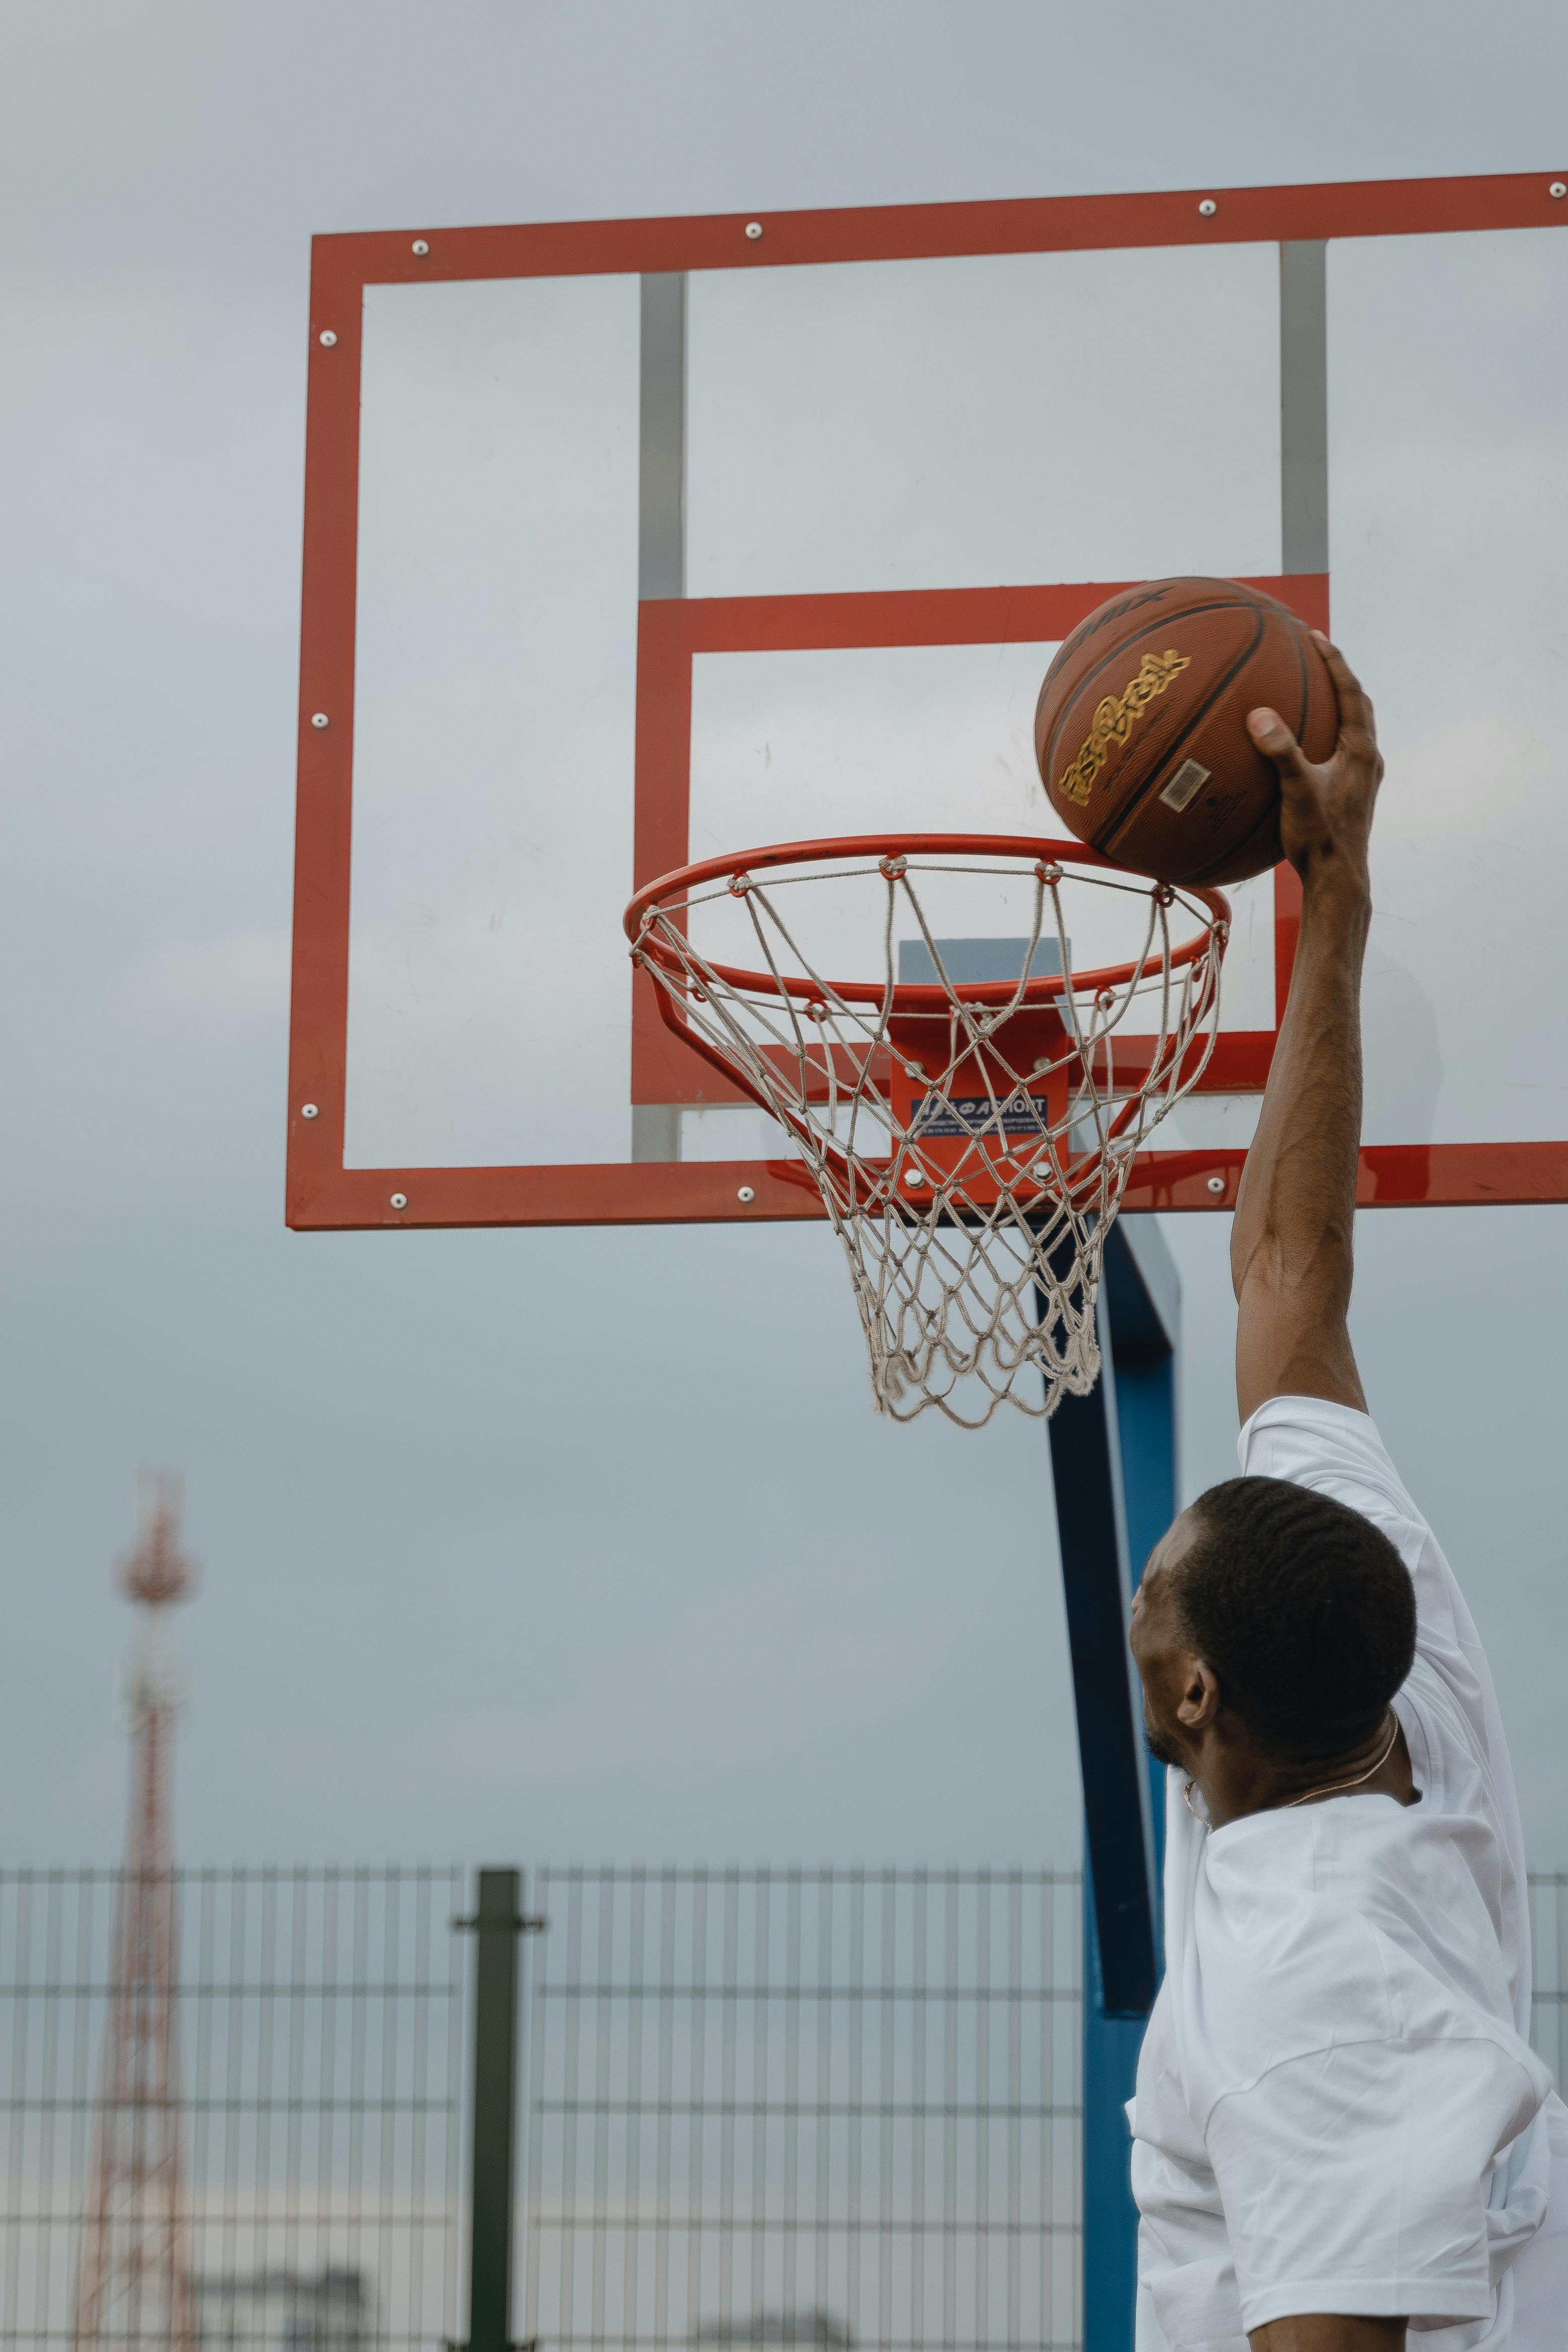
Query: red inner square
{"type": "Point", "coordinates": [671, 631]}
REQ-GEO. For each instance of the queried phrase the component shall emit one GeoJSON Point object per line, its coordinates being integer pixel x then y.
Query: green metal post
{"type": "Point", "coordinates": [497, 1924]}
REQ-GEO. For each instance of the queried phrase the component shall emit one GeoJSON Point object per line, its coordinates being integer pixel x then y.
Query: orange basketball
{"type": "Point", "coordinates": [1140, 728]}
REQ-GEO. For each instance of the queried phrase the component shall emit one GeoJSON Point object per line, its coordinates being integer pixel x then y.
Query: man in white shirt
{"type": "Point", "coordinates": [1340, 2132]}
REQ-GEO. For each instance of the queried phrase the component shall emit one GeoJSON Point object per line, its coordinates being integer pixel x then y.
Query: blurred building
{"type": "Point", "coordinates": [766, 2329]}
{"type": "Point", "coordinates": [281, 2310]}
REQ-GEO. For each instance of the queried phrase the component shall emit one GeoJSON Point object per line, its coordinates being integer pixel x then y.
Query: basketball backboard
{"type": "Point", "coordinates": [629, 543]}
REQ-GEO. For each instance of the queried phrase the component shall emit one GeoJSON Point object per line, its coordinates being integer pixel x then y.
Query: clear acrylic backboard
{"type": "Point", "coordinates": [634, 543]}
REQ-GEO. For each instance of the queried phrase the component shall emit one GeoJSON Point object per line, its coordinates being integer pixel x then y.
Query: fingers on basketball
{"type": "Point", "coordinates": [1358, 725]}
{"type": "Point", "coordinates": [1276, 741]}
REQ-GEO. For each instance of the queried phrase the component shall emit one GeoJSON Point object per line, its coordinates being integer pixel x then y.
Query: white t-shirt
{"type": "Point", "coordinates": [1338, 2108]}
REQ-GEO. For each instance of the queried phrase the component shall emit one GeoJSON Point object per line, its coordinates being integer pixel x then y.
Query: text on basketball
{"type": "Point", "coordinates": [1113, 719]}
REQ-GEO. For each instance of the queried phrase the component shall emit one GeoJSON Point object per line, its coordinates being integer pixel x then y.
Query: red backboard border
{"type": "Point", "coordinates": [324, 1196]}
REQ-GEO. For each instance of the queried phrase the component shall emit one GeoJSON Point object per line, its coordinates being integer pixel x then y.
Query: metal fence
{"type": "Point", "coordinates": [1549, 1943]}
{"type": "Point", "coordinates": [819, 2107]}
{"type": "Point", "coordinates": [319, 2037]}
{"type": "Point", "coordinates": [822, 2107]}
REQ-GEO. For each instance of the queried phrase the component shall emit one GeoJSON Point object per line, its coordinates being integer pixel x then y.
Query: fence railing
{"type": "Point", "coordinates": [1549, 1947]}
{"type": "Point", "coordinates": [824, 2106]}
{"type": "Point", "coordinates": [319, 2039]}
{"type": "Point", "coordinates": [759, 2108]}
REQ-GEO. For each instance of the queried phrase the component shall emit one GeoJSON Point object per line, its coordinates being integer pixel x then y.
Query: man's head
{"type": "Point", "coordinates": [1272, 1613]}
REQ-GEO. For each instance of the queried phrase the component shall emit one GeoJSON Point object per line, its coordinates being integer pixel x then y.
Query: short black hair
{"type": "Point", "coordinates": [1304, 1609]}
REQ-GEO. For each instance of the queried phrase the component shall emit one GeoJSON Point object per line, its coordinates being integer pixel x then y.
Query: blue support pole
{"type": "Point", "coordinates": [1113, 1457]}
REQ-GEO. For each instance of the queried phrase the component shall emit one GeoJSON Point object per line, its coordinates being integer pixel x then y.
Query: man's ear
{"type": "Point", "coordinates": [1199, 1702]}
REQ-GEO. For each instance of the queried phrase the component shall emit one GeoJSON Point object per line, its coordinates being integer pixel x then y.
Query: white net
{"type": "Point", "coordinates": [969, 1113]}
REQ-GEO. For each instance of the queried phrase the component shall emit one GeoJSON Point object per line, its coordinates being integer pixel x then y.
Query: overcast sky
{"type": "Point", "coordinates": [556, 1545]}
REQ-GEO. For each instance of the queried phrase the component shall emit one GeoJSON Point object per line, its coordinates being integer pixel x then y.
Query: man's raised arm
{"type": "Point", "coordinates": [1290, 1247]}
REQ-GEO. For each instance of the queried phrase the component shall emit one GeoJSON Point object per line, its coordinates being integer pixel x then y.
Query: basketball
{"type": "Point", "coordinates": [1140, 729]}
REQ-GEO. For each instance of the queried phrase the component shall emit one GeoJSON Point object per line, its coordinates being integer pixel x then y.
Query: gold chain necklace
{"type": "Point", "coordinates": [1333, 1788]}
{"type": "Point", "coordinates": [1329, 1788]}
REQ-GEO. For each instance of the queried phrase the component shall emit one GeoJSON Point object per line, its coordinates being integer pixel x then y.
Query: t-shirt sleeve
{"type": "Point", "coordinates": [1356, 2180]}
{"type": "Point", "coordinates": [1448, 1705]}
{"type": "Point", "coordinates": [1338, 1451]}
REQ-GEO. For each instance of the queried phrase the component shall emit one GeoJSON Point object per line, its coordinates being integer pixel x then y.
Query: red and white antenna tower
{"type": "Point", "coordinates": [133, 2289]}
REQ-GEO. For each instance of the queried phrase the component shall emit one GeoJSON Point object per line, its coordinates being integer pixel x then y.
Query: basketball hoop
{"type": "Point", "coordinates": [970, 1137]}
